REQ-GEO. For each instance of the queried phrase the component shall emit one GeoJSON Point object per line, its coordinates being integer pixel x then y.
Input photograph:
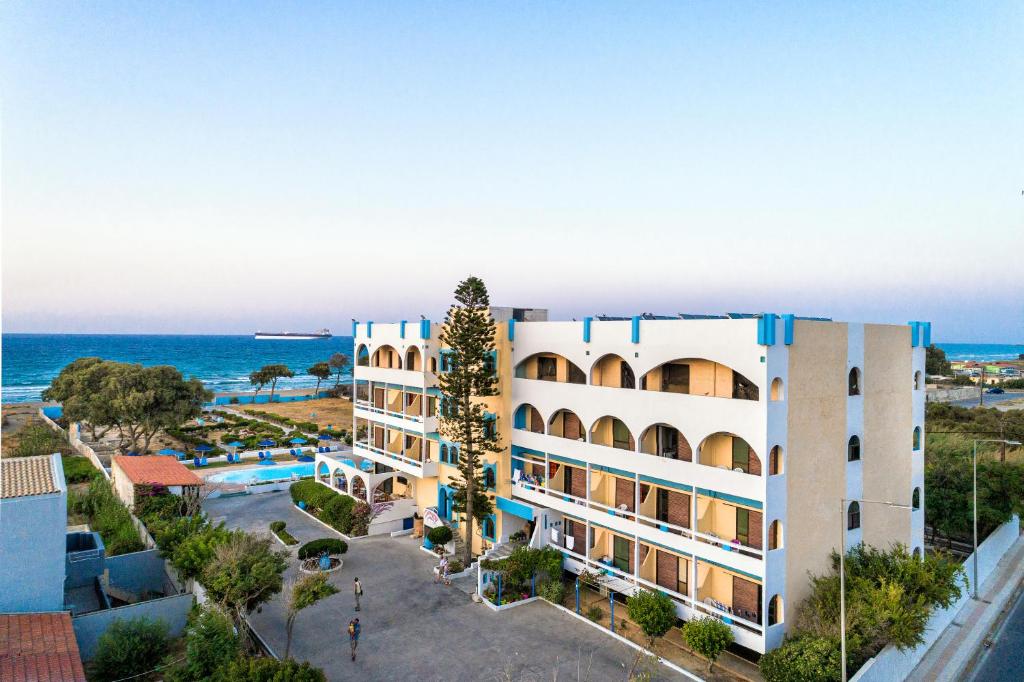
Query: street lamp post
{"type": "Point", "coordinates": [842, 569]}
{"type": "Point", "coordinates": [974, 505]}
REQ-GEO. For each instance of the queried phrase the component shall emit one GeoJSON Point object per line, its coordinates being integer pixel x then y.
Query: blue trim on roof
{"type": "Point", "coordinates": [634, 331]}
{"type": "Point", "coordinates": [401, 329]}
{"type": "Point", "coordinates": [761, 336]}
{"type": "Point", "coordinates": [927, 341]}
{"type": "Point", "coordinates": [511, 330]}
{"type": "Point", "coordinates": [726, 497]}
{"type": "Point", "coordinates": [913, 333]}
{"type": "Point", "coordinates": [587, 321]}
{"type": "Point", "coordinates": [369, 329]}
{"type": "Point", "coordinates": [788, 328]}
{"type": "Point", "coordinates": [523, 511]}
{"type": "Point", "coordinates": [424, 329]}
{"type": "Point", "coordinates": [666, 484]}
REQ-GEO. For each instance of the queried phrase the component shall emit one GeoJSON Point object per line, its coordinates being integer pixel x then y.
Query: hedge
{"type": "Point", "coordinates": [440, 535]}
{"type": "Point", "coordinates": [330, 506]}
{"type": "Point", "coordinates": [315, 547]}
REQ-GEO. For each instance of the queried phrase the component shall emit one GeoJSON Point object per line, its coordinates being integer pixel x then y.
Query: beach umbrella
{"type": "Point", "coordinates": [297, 441]}
{"type": "Point", "coordinates": [267, 462]}
{"type": "Point", "coordinates": [235, 444]}
{"type": "Point", "coordinates": [168, 451]}
{"type": "Point", "coordinates": [306, 458]}
{"type": "Point", "coordinates": [266, 443]}
{"type": "Point", "coordinates": [324, 437]}
{"type": "Point", "coordinates": [204, 448]}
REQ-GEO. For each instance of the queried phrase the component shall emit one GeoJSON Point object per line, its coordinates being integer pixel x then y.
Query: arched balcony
{"type": "Point", "coordinates": [362, 356]}
{"type": "Point", "coordinates": [528, 418]}
{"type": "Point", "coordinates": [612, 432]}
{"type": "Point", "coordinates": [565, 424]}
{"type": "Point", "coordinates": [550, 367]}
{"type": "Point", "coordinates": [728, 451]}
{"type": "Point", "coordinates": [413, 359]}
{"type": "Point", "coordinates": [613, 372]}
{"type": "Point", "coordinates": [386, 356]}
{"type": "Point", "coordinates": [662, 440]}
{"type": "Point", "coordinates": [697, 376]}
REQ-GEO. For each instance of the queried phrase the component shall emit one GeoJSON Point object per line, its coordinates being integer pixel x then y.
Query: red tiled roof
{"type": "Point", "coordinates": [156, 469]}
{"type": "Point", "coordinates": [39, 647]}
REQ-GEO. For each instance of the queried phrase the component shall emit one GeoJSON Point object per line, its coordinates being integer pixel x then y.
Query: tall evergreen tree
{"type": "Point", "coordinates": [468, 339]}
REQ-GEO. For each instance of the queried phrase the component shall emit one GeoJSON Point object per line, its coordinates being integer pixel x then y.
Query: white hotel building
{"type": "Point", "coordinates": [706, 457]}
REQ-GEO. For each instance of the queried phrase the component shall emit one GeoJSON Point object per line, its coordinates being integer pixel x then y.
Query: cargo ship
{"type": "Point", "coordinates": [294, 336]}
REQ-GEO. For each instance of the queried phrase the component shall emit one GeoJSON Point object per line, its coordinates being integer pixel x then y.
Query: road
{"type": "Point", "coordinates": [990, 399]}
{"type": "Point", "coordinates": [1003, 660]}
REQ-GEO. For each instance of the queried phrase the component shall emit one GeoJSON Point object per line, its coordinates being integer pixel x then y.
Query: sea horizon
{"type": "Point", "coordinates": [223, 361]}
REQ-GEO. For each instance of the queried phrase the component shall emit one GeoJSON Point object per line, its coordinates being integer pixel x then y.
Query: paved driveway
{"type": "Point", "coordinates": [416, 630]}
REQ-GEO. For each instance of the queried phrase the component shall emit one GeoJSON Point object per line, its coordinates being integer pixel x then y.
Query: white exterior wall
{"type": "Point", "coordinates": [776, 507]}
{"type": "Point", "coordinates": [917, 458]}
{"type": "Point", "coordinates": [855, 427]}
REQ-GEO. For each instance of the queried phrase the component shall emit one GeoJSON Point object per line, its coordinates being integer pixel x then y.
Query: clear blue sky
{"type": "Point", "coordinates": [222, 167]}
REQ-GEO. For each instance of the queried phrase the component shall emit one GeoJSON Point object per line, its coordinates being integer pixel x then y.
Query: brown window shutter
{"type": "Point", "coordinates": [536, 421]}
{"type": "Point", "coordinates": [624, 493]}
{"type": "Point", "coordinates": [753, 462]}
{"type": "Point", "coordinates": [756, 529]}
{"type": "Point", "coordinates": [579, 482]}
{"type": "Point", "coordinates": [632, 557]}
{"type": "Point", "coordinates": [667, 570]}
{"type": "Point", "coordinates": [746, 599]}
{"type": "Point", "coordinates": [679, 509]}
{"type": "Point", "coordinates": [572, 428]}
{"type": "Point", "coordinates": [378, 437]}
{"type": "Point", "coordinates": [683, 449]}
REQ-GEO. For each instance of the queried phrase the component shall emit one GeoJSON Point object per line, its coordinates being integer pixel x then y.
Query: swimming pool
{"type": "Point", "coordinates": [263, 474]}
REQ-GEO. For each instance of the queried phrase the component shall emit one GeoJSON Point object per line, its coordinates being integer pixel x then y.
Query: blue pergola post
{"type": "Point", "coordinates": [533, 585]}
{"type": "Point", "coordinates": [577, 596]}
{"type": "Point", "coordinates": [611, 602]}
{"type": "Point", "coordinates": [499, 589]}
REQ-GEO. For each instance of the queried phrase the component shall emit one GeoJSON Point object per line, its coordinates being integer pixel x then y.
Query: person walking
{"type": "Point", "coordinates": [357, 590]}
{"type": "Point", "coordinates": [353, 635]}
{"type": "Point", "coordinates": [441, 568]}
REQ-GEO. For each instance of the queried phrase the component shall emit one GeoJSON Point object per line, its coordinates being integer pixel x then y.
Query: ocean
{"type": "Point", "coordinates": [223, 363]}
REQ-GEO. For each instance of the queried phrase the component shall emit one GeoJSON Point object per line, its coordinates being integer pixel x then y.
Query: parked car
{"type": "Point", "coordinates": [995, 391]}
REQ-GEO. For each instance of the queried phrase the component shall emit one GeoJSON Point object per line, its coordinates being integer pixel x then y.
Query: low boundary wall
{"type": "Point", "coordinates": [91, 626]}
{"type": "Point", "coordinates": [893, 665]}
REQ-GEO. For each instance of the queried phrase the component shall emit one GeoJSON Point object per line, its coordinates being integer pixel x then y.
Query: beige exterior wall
{"type": "Point", "coordinates": [815, 453]}
{"type": "Point", "coordinates": [124, 488]}
{"type": "Point", "coordinates": [888, 433]}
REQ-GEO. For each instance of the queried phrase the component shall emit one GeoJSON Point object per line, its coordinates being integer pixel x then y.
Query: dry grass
{"type": "Point", "coordinates": [324, 411]}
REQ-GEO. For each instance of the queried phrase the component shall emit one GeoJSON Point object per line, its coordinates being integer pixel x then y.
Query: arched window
{"type": "Point", "coordinates": [729, 451]}
{"type": "Point", "coordinates": [433, 365]}
{"type": "Point", "coordinates": [362, 356]}
{"type": "Point", "coordinates": [778, 390]}
{"type": "Point", "coordinates": [853, 449]}
{"type": "Point", "coordinates": [775, 610]}
{"type": "Point", "coordinates": [612, 432]}
{"type": "Point", "coordinates": [444, 453]}
{"type": "Point", "coordinates": [855, 381]}
{"type": "Point", "coordinates": [565, 424]}
{"type": "Point", "coordinates": [412, 359]}
{"type": "Point", "coordinates": [917, 381]}
{"type": "Point", "coordinates": [612, 371]}
{"type": "Point", "coordinates": [917, 553]}
{"type": "Point", "coordinates": [662, 440]}
{"type": "Point", "coordinates": [917, 437]}
{"type": "Point", "coordinates": [489, 482]}
{"type": "Point", "coordinates": [853, 516]}
{"type": "Point", "coordinates": [775, 463]}
{"type": "Point", "coordinates": [915, 499]}
{"type": "Point", "coordinates": [775, 535]}
{"type": "Point", "coordinates": [487, 528]}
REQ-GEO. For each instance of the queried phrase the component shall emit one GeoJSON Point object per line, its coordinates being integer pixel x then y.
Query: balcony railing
{"type": "Point", "coordinates": [641, 519]}
{"type": "Point", "coordinates": [725, 615]}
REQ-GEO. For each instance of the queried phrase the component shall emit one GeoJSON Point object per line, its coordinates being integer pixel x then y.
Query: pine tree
{"type": "Point", "coordinates": [468, 339]}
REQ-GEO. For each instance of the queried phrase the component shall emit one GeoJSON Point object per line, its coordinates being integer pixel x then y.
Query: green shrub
{"type": "Point", "coordinates": [128, 648]}
{"type": "Point", "coordinates": [270, 670]}
{"type": "Point", "coordinates": [210, 645]}
{"type": "Point", "coordinates": [709, 637]}
{"type": "Point", "coordinates": [110, 518]}
{"type": "Point", "coordinates": [79, 469]}
{"type": "Point", "coordinates": [807, 658]}
{"type": "Point", "coordinates": [38, 438]}
{"type": "Point", "coordinates": [654, 612]}
{"type": "Point", "coordinates": [330, 545]}
{"type": "Point", "coordinates": [307, 427]}
{"type": "Point", "coordinates": [337, 513]}
{"type": "Point", "coordinates": [455, 566]}
{"type": "Point", "coordinates": [315, 495]}
{"type": "Point", "coordinates": [594, 613]}
{"type": "Point", "coordinates": [440, 535]}
{"type": "Point", "coordinates": [553, 591]}
{"type": "Point", "coordinates": [277, 526]}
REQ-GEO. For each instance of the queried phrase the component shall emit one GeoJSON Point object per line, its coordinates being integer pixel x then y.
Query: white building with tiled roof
{"type": "Point", "coordinates": [33, 525]}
